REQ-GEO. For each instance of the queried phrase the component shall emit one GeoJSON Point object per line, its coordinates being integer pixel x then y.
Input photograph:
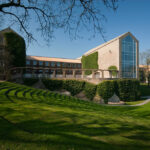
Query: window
{"type": "Point", "coordinates": [79, 65]}
{"type": "Point", "coordinates": [46, 71]}
{"type": "Point", "coordinates": [73, 65]}
{"type": "Point", "coordinates": [63, 64]}
{"type": "Point", "coordinates": [40, 71]}
{"type": "Point", "coordinates": [128, 45]}
{"type": "Point", "coordinates": [53, 64]}
{"type": "Point", "coordinates": [46, 63]}
{"type": "Point", "coordinates": [40, 63]}
{"type": "Point", "coordinates": [69, 65]}
{"type": "Point", "coordinates": [27, 62]}
{"type": "Point", "coordinates": [58, 64]}
{"type": "Point", "coordinates": [34, 62]}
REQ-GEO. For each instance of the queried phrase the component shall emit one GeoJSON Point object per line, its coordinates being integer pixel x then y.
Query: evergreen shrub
{"type": "Point", "coordinates": [106, 89]}
{"type": "Point", "coordinates": [128, 89]}
{"type": "Point", "coordinates": [29, 81]}
{"type": "Point", "coordinates": [53, 84]}
{"type": "Point", "coordinates": [113, 69]}
{"type": "Point", "coordinates": [90, 90]}
{"type": "Point", "coordinates": [73, 86]}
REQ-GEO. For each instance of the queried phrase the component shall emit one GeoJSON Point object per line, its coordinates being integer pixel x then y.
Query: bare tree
{"type": "Point", "coordinates": [49, 15]}
{"type": "Point", "coordinates": [145, 61]}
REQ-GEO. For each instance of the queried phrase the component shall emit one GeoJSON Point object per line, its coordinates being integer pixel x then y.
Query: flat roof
{"type": "Point", "coordinates": [40, 58]}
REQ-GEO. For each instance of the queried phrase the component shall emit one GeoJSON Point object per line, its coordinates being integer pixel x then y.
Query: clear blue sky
{"type": "Point", "coordinates": [132, 15]}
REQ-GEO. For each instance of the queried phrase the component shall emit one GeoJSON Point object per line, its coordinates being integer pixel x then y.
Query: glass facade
{"type": "Point", "coordinates": [128, 46]}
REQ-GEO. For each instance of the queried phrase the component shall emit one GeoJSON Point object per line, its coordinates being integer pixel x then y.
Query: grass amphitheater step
{"type": "Point", "coordinates": [40, 119]}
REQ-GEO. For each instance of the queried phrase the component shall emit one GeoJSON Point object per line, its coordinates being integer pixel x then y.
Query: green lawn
{"type": "Point", "coordinates": [32, 119]}
{"type": "Point", "coordinates": [135, 102]}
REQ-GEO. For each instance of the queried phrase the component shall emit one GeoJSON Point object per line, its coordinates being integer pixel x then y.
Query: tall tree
{"type": "Point", "coordinates": [145, 61]}
{"type": "Point", "coordinates": [71, 15]}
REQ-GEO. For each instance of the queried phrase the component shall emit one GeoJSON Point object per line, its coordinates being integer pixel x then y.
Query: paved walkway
{"type": "Point", "coordinates": [143, 103]}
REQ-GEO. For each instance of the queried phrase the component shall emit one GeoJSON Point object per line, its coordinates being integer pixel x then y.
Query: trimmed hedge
{"type": "Point", "coordinates": [90, 62]}
{"type": "Point", "coordinates": [90, 90]}
{"type": "Point", "coordinates": [142, 76]}
{"type": "Point", "coordinates": [106, 89]}
{"type": "Point", "coordinates": [29, 81]}
{"type": "Point", "coordinates": [52, 84]}
{"type": "Point", "coordinates": [73, 86]}
{"type": "Point", "coordinates": [113, 68]}
{"type": "Point", "coordinates": [126, 89]}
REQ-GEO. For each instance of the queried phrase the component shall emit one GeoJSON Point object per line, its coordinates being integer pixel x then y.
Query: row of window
{"type": "Point", "coordinates": [128, 57]}
{"type": "Point", "coordinates": [52, 64]}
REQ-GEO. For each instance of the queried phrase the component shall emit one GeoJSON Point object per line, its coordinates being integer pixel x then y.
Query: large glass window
{"type": "Point", "coordinates": [128, 45]}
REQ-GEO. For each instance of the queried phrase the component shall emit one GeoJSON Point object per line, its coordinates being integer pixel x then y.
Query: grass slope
{"type": "Point", "coordinates": [33, 119]}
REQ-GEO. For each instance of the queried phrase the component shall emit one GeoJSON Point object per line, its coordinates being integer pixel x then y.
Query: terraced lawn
{"type": "Point", "coordinates": [33, 119]}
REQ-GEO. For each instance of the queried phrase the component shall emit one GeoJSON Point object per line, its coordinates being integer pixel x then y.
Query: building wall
{"type": "Point", "coordinates": [109, 55]}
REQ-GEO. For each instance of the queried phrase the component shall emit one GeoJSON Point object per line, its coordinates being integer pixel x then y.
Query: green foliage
{"type": "Point", "coordinates": [128, 89]}
{"type": "Point", "coordinates": [33, 120]}
{"type": "Point", "coordinates": [144, 89]}
{"type": "Point", "coordinates": [15, 45]}
{"type": "Point", "coordinates": [90, 90]}
{"type": "Point", "coordinates": [142, 76]}
{"type": "Point", "coordinates": [113, 68]}
{"type": "Point", "coordinates": [90, 62]}
{"type": "Point", "coordinates": [106, 89]}
{"type": "Point", "coordinates": [29, 81]}
{"type": "Point", "coordinates": [53, 84]}
{"type": "Point", "coordinates": [73, 86]}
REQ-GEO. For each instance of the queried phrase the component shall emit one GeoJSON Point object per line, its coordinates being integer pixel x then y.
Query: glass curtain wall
{"type": "Point", "coordinates": [128, 45]}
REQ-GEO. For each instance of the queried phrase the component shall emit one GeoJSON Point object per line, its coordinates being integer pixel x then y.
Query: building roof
{"type": "Point", "coordinates": [106, 43]}
{"type": "Point", "coordinates": [144, 66]}
{"type": "Point", "coordinates": [9, 30]}
{"type": "Point", "coordinates": [39, 58]}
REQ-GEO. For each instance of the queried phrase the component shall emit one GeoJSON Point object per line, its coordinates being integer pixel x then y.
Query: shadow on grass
{"type": "Point", "coordinates": [78, 136]}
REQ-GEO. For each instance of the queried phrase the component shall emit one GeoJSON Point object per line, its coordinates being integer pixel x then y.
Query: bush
{"type": "Point", "coordinates": [113, 69]}
{"type": "Point", "coordinates": [52, 84]}
{"type": "Point", "coordinates": [142, 76]}
{"type": "Point", "coordinates": [106, 89]}
{"type": "Point", "coordinates": [128, 89]}
{"type": "Point", "coordinates": [73, 86]}
{"type": "Point", "coordinates": [30, 81]}
{"type": "Point", "coordinates": [90, 90]}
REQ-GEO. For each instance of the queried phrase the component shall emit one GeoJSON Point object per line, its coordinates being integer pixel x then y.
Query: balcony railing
{"type": "Point", "coordinates": [60, 73]}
